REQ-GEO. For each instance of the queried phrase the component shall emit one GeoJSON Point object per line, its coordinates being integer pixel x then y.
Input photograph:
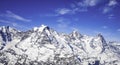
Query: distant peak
{"type": "Point", "coordinates": [4, 28]}
{"type": "Point", "coordinates": [43, 25]}
{"type": "Point", "coordinates": [8, 29]}
{"type": "Point", "coordinates": [100, 36]}
{"type": "Point", "coordinates": [75, 33]}
{"type": "Point", "coordinates": [102, 39]}
{"type": "Point", "coordinates": [41, 28]}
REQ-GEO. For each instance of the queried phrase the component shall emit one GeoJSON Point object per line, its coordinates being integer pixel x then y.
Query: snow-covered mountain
{"type": "Point", "coordinates": [44, 46]}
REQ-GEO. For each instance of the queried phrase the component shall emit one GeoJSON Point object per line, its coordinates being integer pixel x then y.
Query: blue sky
{"type": "Point", "coordinates": [89, 17]}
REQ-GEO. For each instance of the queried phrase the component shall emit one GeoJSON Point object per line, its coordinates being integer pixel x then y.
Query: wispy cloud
{"type": "Point", "coordinates": [84, 5]}
{"type": "Point", "coordinates": [77, 7]}
{"type": "Point", "coordinates": [9, 22]}
{"type": "Point", "coordinates": [13, 24]}
{"type": "Point", "coordinates": [118, 30]}
{"type": "Point", "coordinates": [111, 16]}
{"type": "Point", "coordinates": [109, 6]}
{"type": "Point", "coordinates": [11, 19]}
{"type": "Point", "coordinates": [81, 6]}
{"type": "Point", "coordinates": [15, 16]}
{"type": "Point", "coordinates": [59, 12]}
{"type": "Point", "coordinates": [49, 15]}
{"type": "Point", "coordinates": [70, 11]}
{"type": "Point", "coordinates": [107, 10]}
{"type": "Point", "coordinates": [112, 3]}
{"type": "Point", "coordinates": [63, 11]}
{"type": "Point", "coordinates": [90, 2]}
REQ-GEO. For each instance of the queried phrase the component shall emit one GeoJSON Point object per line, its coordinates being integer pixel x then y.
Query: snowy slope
{"type": "Point", "coordinates": [44, 46]}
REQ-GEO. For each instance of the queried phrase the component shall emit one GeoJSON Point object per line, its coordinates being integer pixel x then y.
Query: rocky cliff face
{"type": "Point", "coordinates": [44, 46]}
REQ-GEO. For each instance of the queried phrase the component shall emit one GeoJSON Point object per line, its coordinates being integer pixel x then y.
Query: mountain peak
{"type": "Point", "coordinates": [41, 28]}
{"type": "Point", "coordinates": [45, 46]}
{"type": "Point", "coordinates": [4, 28]}
{"type": "Point", "coordinates": [75, 34]}
{"type": "Point", "coordinates": [43, 25]}
{"type": "Point", "coordinates": [100, 36]}
{"type": "Point", "coordinates": [7, 29]}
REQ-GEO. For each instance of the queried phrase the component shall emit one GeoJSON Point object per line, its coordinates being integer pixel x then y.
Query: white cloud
{"type": "Point", "coordinates": [112, 3]}
{"type": "Point", "coordinates": [63, 11]}
{"type": "Point", "coordinates": [91, 2]}
{"type": "Point", "coordinates": [77, 7]}
{"type": "Point", "coordinates": [15, 16]}
{"type": "Point", "coordinates": [83, 9]}
{"type": "Point", "coordinates": [49, 15]}
{"type": "Point", "coordinates": [82, 6]}
{"type": "Point", "coordinates": [109, 6]}
{"type": "Point", "coordinates": [88, 3]}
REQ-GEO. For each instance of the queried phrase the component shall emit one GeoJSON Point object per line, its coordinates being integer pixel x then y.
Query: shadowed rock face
{"type": "Point", "coordinates": [97, 62]}
{"type": "Point", "coordinates": [5, 34]}
{"type": "Point", "coordinates": [44, 46]}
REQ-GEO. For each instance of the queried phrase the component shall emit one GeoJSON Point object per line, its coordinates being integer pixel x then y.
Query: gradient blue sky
{"type": "Point", "coordinates": [89, 17]}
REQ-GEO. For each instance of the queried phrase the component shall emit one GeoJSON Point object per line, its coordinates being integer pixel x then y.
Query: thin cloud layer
{"type": "Point", "coordinates": [118, 30]}
{"type": "Point", "coordinates": [11, 19]}
{"type": "Point", "coordinates": [84, 5]}
{"type": "Point", "coordinates": [63, 11]}
{"type": "Point", "coordinates": [90, 2]}
{"type": "Point", "coordinates": [9, 22]}
{"type": "Point", "coordinates": [17, 17]}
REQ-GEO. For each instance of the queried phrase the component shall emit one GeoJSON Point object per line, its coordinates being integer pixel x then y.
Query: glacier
{"type": "Point", "coordinates": [45, 46]}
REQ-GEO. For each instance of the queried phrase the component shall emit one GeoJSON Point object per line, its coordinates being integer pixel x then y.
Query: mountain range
{"type": "Point", "coordinates": [45, 46]}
